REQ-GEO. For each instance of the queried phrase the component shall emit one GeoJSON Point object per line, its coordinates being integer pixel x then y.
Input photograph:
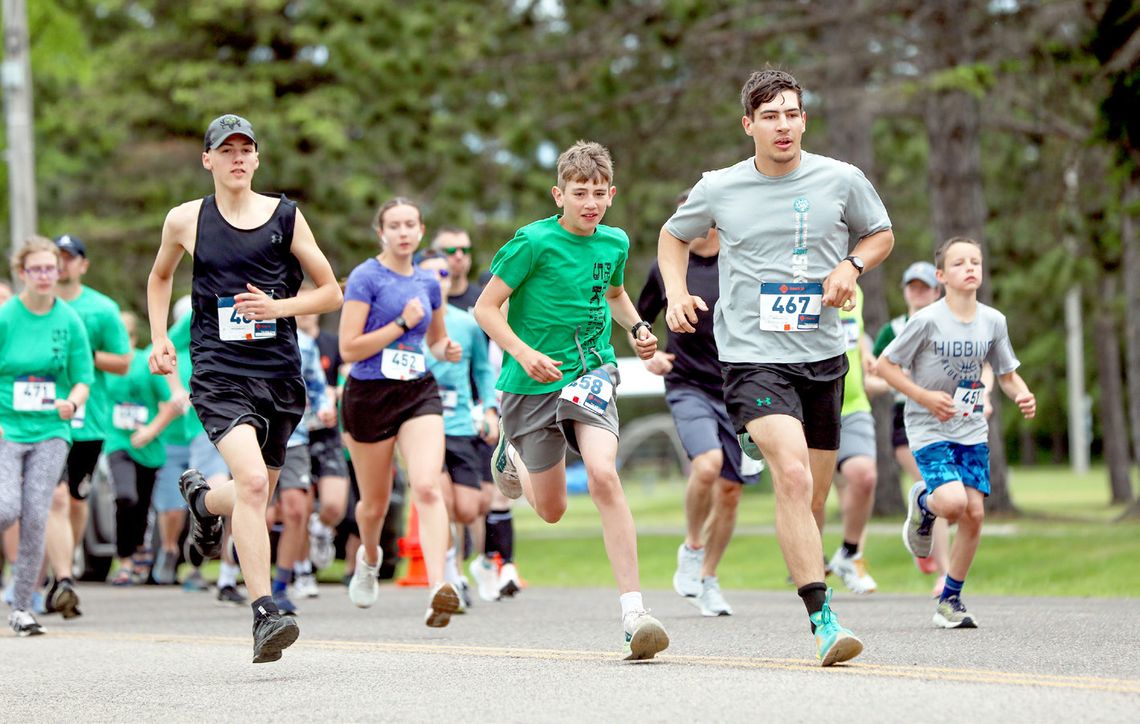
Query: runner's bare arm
{"type": "Point", "coordinates": [625, 314]}
{"type": "Point", "coordinates": [673, 261]}
{"type": "Point", "coordinates": [490, 316]}
{"type": "Point", "coordinates": [326, 297]}
{"type": "Point", "coordinates": [440, 345]}
{"type": "Point", "coordinates": [355, 345]}
{"type": "Point", "coordinates": [178, 232]}
{"type": "Point", "coordinates": [839, 286]}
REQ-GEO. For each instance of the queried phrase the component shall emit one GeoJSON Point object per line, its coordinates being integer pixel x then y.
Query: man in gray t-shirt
{"type": "Point", "coordinates": [786, 220]}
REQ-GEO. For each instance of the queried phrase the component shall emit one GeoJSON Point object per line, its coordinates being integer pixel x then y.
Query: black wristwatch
{"type": "Point", "coordinates": [635, 328]}
{"type": "Point", "coordinates": [855, 262]}
{"type": "Point", "coordinates": [402, 323]}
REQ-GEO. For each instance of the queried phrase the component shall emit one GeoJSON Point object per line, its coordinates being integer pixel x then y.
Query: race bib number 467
{"type": "Point", "coordinates": [790, 306]}
{"type": "Point", "coordinates": [233, 327]}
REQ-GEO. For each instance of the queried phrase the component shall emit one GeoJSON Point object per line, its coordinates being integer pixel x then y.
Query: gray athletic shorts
{"type": "Point", "coordinates": [856, 437]}
{"type": "Point", "coordinates": [297, 472]}
{"type": "Point", "coordinates": [541, 426]}
{"type": "Point", "coordinates": [702, 424]}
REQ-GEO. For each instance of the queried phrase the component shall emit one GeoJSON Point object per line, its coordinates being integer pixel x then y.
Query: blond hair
{"type": "Point", "coordinates": [583, 162]}
{"type": "Point", "coordinates": [34, 245]}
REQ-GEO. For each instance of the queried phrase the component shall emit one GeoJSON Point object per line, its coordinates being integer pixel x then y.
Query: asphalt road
{"type": "Point", "coordinates": [148, 654]}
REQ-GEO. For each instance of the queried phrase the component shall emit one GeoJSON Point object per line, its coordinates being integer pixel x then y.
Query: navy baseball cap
{"type": "Point", "coordinates": [71, 245]}
{"type": "Point", "coordinates": [225, 126]}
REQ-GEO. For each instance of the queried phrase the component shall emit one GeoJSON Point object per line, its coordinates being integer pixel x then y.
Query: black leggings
{"type": "Point", "coordinates": [134, 485]}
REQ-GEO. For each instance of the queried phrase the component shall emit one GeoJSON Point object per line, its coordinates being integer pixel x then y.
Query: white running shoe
{"type": "Point", "coordinates": [486, 578]}
{"type": "Point", "coordinates": [463, 588]}
{"type": "Point", "coordinates": [364, 588]}
{"type": "Point", "coordinates": [711, 602]}
{"type": "Point", "coordinates": [305, 586]}
{"type": "Point", "coordinates": [645, 637]}
{"type": "Point", "coordinates": [24, 623]}
{"type": "Point", "coordinates": [322, 544]}
{"type": "Point", "coordinates": [853, 571]}
{"type": "Point", "coordinates": [444, 602]}
{"type": "Point", "coordinates": [503, 470]}
{"type": "Point", "coordinates": [687, 579]}
{"type": "Point", "coordinates": [509, 583]}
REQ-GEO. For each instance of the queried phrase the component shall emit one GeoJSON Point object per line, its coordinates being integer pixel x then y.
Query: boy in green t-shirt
{"type": "Point", "coordinates": [564, 279]}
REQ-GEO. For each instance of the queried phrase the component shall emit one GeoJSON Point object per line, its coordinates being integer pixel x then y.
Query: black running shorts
{"type": "Point", "coordinates": [374, 410]}
{"type": "Point", "coordinates": [81, 462]}
{"type": "Point", "coordinates": [462, 460]}
{"type": "Point", "coordinates": [811, 392]}
{"type": "Point", "coordinates": [273, 406]}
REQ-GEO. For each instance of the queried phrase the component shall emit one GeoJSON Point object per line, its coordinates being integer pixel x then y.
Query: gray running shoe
{"type": "Point", "coordinates": [503, 470]}
{"type": "Point", "coordinates": [687, 578]}
{"type": "Point", "coordinates": [711, 602]}
{"type": "Point", "coordinates": [645, 637]}
{"type": "Point", "coordinates": [916, 530]}
{"type": "Point", "coordinates": [952, 613]}
{"type": "Point", "coordinates": [749, 448]}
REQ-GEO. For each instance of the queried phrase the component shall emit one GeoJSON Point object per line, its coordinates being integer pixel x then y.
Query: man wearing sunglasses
{"type": "Point", "coordinates": [453, 243]}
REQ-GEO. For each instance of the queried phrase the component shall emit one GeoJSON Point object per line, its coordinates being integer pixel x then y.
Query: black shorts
{"type": "Point", "coordinates": [326, 454]}
{"type": "Point", "coordinates": [374, 410]}
{"type": "Point", "coordinates": [462, 461]}
{"type": "Point", "coordinates": [486, 452]}
{"type": "Point", "coordinates": [811, 392]}
{"type": "Point", "coordinates": [273, 405]}
{"type": "Point", "coordinates": [898, 426]}
{"type": "Point", "coordinates": [81, 462]}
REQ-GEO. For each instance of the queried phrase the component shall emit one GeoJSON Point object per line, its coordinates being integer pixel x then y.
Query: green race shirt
{"type": "Point", "coordinates": [182, 429]}
{"type": "Point", "coordinates": [106, 333]}
{"type": "Point", "coordinates": [560, 282]}
{"type": "Point", "coordinates": [133, 401]}
{"type": "Point", "coordinates": [854, 396]}
{"type": "Point", "coordinates": [42, 356]}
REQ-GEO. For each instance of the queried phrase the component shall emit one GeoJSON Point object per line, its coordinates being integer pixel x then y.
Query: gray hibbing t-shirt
{"type": "Point", "coordinates": [775, 229]}
{"type": "Point", "coordinates": [945, 354]}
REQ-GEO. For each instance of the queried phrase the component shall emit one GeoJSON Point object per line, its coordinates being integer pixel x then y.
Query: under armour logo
{"type": "Point", "coordinates": [230, 122]}
{"type": "Point", "coordinates": [763, 401]}
{"type": "Point", "coordinates": [275, 239]}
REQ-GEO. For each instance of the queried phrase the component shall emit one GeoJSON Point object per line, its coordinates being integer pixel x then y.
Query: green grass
{"type": "Point", "coordinates": [1065, 542]}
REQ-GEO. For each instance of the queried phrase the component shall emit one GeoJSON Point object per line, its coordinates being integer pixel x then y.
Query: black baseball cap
{"type": "Point", "coordinates": [71, 245]}
{"type": "Point", "coordinates": [225, 126]}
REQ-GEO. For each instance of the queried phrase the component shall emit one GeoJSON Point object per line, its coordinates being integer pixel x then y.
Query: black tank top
{"type": "Point", "coordinates": [225, 260]}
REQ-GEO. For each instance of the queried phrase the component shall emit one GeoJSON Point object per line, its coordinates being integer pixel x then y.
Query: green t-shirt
{"type": "Point", "coordinates": [560, 282]}
{"type": "Point", "coordinates": [182, 429]}
{"type": "Point", "coordinates": [106, 333]}
{"type": "Point", "coordinates": [133, 401]}
{"type": "Point", "coordinates": [42, 356]}
{"type": "Point", "coordinates": [888, 333]}
{"type": "Point", "coordinates": [854, 396]}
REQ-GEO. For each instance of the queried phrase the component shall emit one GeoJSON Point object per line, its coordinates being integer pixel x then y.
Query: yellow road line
{"type": "Point", "coordinates": [977, 676]}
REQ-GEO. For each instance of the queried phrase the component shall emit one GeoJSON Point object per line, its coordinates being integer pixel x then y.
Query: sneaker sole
{"type": "Point", "coordinates": [272, 647]}
{"type": "Point", "coordinates": [509, 486]}
{"type": "Point", "coordinates": [66, 604]}
{"type": "Point", "coordinates": [444, 603]}
{"type": "Point", "coordinates": [31, 632]}
{"type": "Point", "coordinates": [844, 649]}
{"type": "Point", "coordinates": [509, 590]}
{"type": "Point", "coordinates": [943, 622]}
{"type": "Point", "coordinates": [649, 641]}
{"type": "Point", "coordinates": [680, 589]}
{"type": "Point", "coordinates": [911, 510]}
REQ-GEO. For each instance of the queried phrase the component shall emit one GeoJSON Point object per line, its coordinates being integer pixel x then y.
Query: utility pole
{"type": "Point", "coordinates": [16, 77]}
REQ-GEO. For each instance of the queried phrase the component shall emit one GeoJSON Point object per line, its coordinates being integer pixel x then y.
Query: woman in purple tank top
{"type": "Point", "coordinates": [389, 322]}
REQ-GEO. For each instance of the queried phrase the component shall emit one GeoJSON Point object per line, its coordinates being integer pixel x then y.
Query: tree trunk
{"type": "Point", "coordinates": [1130, 240]}
{"type": "Point", "coordinates": [1112, 422]}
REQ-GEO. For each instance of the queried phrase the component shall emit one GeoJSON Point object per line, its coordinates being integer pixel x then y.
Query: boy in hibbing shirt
{"type": "Point", "coordinates": [564, 278]}
{"type": "Point", "coordinates": [945, 345]}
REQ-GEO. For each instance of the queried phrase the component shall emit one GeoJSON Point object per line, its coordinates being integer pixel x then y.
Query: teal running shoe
{"type": "Point", "coordinates": [834, 644]}
{"type": "Point", "coordinates": [750, 448]}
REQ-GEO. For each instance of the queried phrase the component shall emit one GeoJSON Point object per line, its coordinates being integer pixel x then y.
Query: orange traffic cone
{"type": "Point", "coordinates": [409, 545]}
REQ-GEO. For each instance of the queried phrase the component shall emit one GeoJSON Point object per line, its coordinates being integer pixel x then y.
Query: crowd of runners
{"type": "Point", "coordinates": [258, 437]}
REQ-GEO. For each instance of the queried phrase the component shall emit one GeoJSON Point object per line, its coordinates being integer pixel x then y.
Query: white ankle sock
{"type": "Point", "coordinates": [227, 574]}
{"type": "Point", "coordinates": [631, 602]}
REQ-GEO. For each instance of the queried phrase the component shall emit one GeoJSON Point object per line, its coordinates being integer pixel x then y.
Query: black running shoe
{"type": "Point", "coordinates": [230, 594]}
{"type": "Point", "coordinates": [272, 634]}
{"type": "Point", "coordinates": [205, 531]}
